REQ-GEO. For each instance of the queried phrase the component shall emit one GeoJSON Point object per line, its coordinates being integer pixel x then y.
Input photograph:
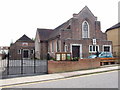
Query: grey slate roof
{"type": "Point", "coordinates": [25, 38]}
{"type": "Point", "coordinates": [60, 26]}
{"type": "Point", "coordinates": [44, 33]}
{"type": "Point", "coordinates": [114, 27]}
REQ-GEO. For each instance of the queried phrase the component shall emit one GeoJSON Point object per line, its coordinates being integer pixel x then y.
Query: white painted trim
{"type": "Point", "coordinates": [19, 51]}
{"type": "Point", "coordinates": [83, 29]}
{"type": "Point", "coordinates": [60, 45]}
{"type": "Point", "coordinates": [56, 45]}
{"type": "Point", "coordinates": [95, 48]}
{"type": "Point", "coordinates": [66, 48]}
{"type": "Point", "coordinates": [52, 50]}
{"type": "Point", "coordinates": [76, 45]}
{"type": "Point", "coordinates": [107, 45]}
{"type": "Point", "coordinates": [32, 51]}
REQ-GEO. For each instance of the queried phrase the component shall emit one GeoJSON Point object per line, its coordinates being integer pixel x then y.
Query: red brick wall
{"type": "Point", "coordinates": [44, 50]}
{"type": "Point", "coordinates": [63, 66]}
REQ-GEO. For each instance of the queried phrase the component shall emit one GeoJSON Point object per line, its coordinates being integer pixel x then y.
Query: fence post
{"type": "Point", "coordinates": [34, 62]}
{"type": "Point", "coordinates": [8, 63]}
{"type": "Point", "coordinates": [21, 61]}
{"type": "Point", "coordinates": [47, 66]}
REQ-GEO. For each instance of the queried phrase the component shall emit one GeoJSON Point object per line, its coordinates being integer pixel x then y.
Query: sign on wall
{"type": "Point", "coordinates": [94, 41]}
{"type": "Point", "coordinates": [25, 44]}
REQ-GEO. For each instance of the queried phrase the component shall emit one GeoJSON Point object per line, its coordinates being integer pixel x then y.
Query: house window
{"type": "Point", "coordinates": [85, 29]}
{"type": "Point", "coordinates": [93, 48]}
{"type": "Point", "coordinates": [19, 51]}
{"type": "Point", "coordinates": [69, 27]}
{"type": "Point", "coordinates": [32, 51]}
{"type": "Point", "coordinates": [90, 48]}
{"type": "Point", "coordinates": [106, 48]}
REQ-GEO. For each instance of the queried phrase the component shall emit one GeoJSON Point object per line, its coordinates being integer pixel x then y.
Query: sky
{"type": "Point", "coordinates": [19, 17]}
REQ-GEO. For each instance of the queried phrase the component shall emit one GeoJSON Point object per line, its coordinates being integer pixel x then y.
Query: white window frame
{"type": "Point", "coordinates": [83, 29]}
{"type": "Point", "coordinates": [92, 48]}
{"type": "Point", "coordinates": [76, 45]}
{"type": "Point", "coordinates": [68, 26]}
{"type": "Point", "coordinates": [107, 46]}
{"type": "Point", "coordinates": [19, 51]}
{"type": "Point", "coordinates": [32, 50]}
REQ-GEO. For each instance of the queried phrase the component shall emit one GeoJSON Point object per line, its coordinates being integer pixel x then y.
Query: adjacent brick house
{"type": "Point", "coordinates": [23, 48]}
{"type": "Point", "coordinates": [81, 35]}
{"type": "Point", "coordinates": [114, 31]}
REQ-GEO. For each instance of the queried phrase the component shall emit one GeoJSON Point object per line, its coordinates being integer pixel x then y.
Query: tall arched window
{"type": "Point", "coordinates": [85, 29]}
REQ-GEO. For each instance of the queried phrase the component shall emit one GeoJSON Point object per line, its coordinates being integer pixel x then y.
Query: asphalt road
{"type": "Point", "coordinates": [101, 80]}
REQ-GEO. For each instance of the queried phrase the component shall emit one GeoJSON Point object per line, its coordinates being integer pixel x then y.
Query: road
{"type": "Point", "coordinates": [98, 80]}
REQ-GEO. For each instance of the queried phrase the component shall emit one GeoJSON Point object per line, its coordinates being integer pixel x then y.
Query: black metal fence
{"type": "Point", "coordinates": [23, 67]}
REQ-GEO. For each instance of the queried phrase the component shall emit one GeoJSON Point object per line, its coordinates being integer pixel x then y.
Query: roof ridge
{"type": "Point", "coordinates": [114, 26]}
{"type": "Point", "coordinates": [43, 29]}
{"type": "Point", "coordinates": [24, 38]}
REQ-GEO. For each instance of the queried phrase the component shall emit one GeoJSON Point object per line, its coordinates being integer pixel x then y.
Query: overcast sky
{"type": "Point", "coordinates": [18, 17]}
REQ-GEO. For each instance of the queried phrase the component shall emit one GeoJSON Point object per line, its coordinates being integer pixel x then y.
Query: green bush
{"type": "Point", "coordinates": [53, 59]}
{"type": "Point", "coordinates": [75, 59]}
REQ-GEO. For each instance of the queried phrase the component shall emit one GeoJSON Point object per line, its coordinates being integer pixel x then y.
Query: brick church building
{"type": "Point", "coordinates": [81, 35]}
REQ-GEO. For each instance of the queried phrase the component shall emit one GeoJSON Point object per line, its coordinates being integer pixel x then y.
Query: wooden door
{"type": "Point", "coordinates": [76, 51]}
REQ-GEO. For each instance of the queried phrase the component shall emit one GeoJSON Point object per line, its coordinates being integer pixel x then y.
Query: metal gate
{"type": "Point", "coordinates": [14, 68]}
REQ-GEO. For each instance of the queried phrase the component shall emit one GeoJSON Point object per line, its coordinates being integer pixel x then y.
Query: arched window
{"type": "Point", "coordinates": [85, 29]}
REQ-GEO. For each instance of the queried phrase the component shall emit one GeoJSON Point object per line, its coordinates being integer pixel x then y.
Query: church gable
{"type": "Point", "coordinates": [24, 38]}
{"type": "Point", "coordinates": [83, 24]}
{"type": "Point", "coordinates": [85, 13]}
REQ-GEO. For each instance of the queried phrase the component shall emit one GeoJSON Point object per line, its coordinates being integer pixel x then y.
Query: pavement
{"type": "Point", "coordinates": [48, 77]}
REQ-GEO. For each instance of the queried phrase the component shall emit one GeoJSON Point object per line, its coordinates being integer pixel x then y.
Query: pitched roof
{"type": "Point", "coordinates": [61, 26]}
{"type": "Point", "coordinates": [44, 33]}
{"type": "Point", "coordinates": [86, 8]}
{"type": "Point", "coordinates": [25, 38]}
{"type": "Point", "coordinates": [114, 27]}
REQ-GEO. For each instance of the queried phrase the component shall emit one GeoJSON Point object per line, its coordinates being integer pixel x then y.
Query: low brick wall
{"type": "Point", "coordinates": [63, 66]}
